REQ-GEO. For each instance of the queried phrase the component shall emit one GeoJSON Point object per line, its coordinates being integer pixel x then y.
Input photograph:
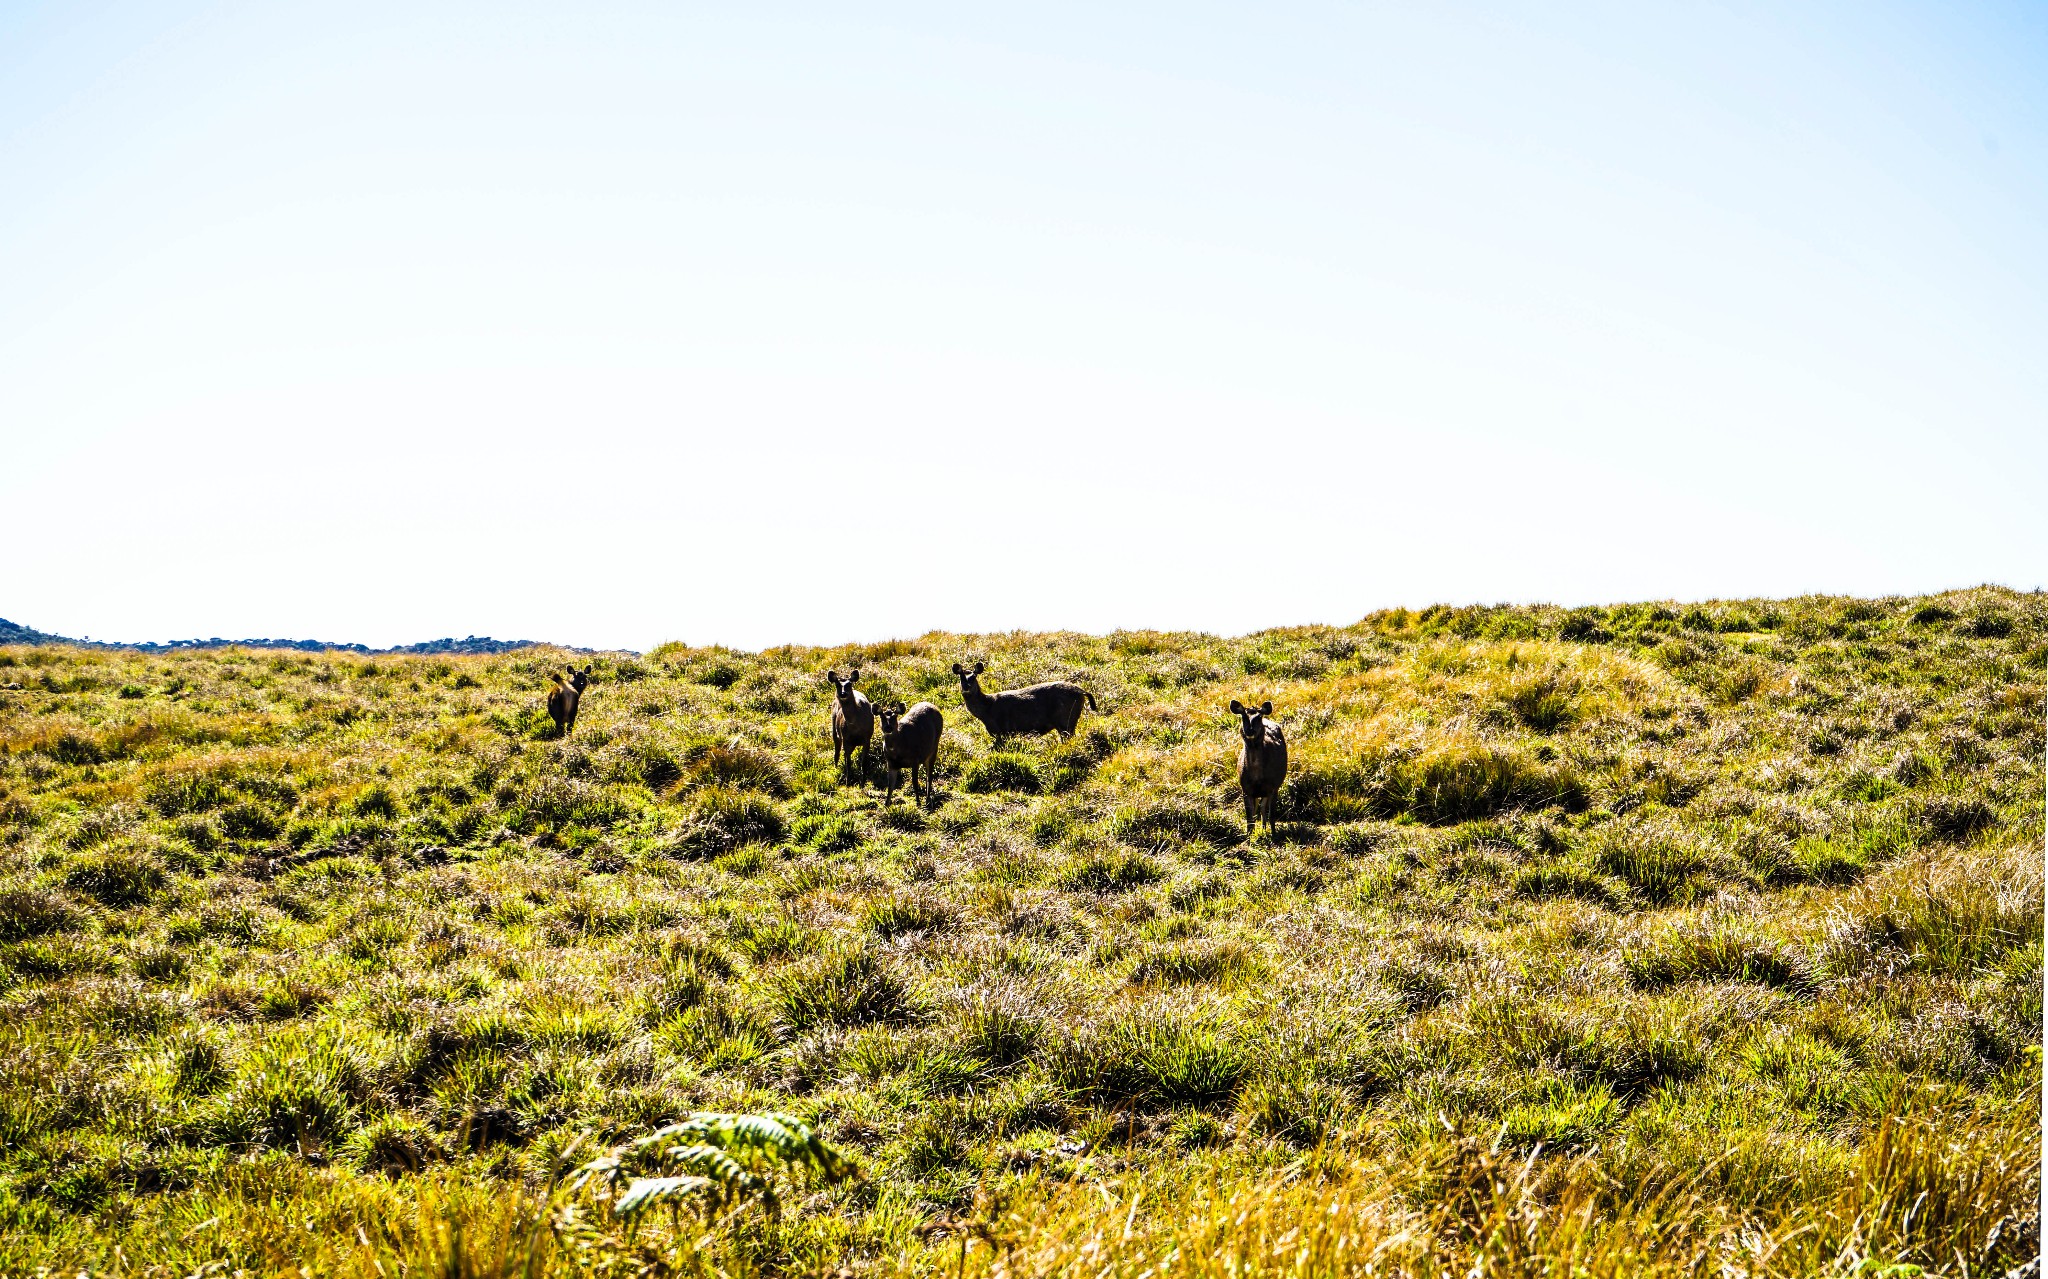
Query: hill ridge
{"type": "Point", "coordinates": [14, 633]}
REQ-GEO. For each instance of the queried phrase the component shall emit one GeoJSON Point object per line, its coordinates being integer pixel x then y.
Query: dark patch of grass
{"type": "Point", "coordinates": [738, 767]}
{"type": "Point", "coordinates": [199, 1064]}
{"type": "Point", "coordinates": [1171, 823]}
{"type": "Point", "coordinates": [53, 957]}
{"type": "Point", "coordinates": [1460, 782]}
{"type": "Point", "coordinates": [745, 861]}
{"type": "Point", "coordinates": [1154, 1056]}
{"type": "Point", "coordinates": [1663, 864]}
{"type": "Point", "coordinates": [117, 877]}
{"type": "Point", "coordinates": [840, 988]}
{"type": "Point", "coordinates": [1358, 839]}
{"type": "Point", "coordinates": [1827, 861]}
{"type": "Point", "coordinates": [395, 1145]}
{"type": "Point", "coordinates": [718, 674]}
{"type": "Point", "coordinates": [1001, 771]}
{"type": "Point", "coordinates": [1416, 982]}
{"type": "Point", "coordinates": [34, 912]}
{"type": "Point", "coordinates": [1292, 1107]}
{"type": "Point", "coordinates": [1632, 1049]}
{"type": "Point", "coordinates": [772, 939]}
{"type": "Point", "coordinates": [721, 819]}
{"type": "Point", "coordinates": [1192, 962]}
{"type": "Point", "coordinates": [934, 1143]}
{"type": "Point", "coordinates": [250, 820]}
{"type": "Point", "coordinates": [1955, 817]}
{"type": "Point", "coordinates": [1567, 879]}
{"type": "Point", "coordinates": [1716, 948]}
{"type": "Point", "coordinates": [1543, 703]}
{"type": "Point", "coordinates": [905, 818]}
{"type": "Point", "coordinates": [1328, 793]}
{"type": "Point", "coordinates": [893, 917]}
{"type": "Point", "coordinates": [828, 832]}
{"type": "Point", "coordinates": [1987, 623]}
{"type": "Point", "coordinates": [999, 1027]}
{"type": "Point", "coordinates": [294, 1093]}
{"type": "Point", "coordinates": [640, 759]}
{"type": "Point", "coordinates": [1110, 871]}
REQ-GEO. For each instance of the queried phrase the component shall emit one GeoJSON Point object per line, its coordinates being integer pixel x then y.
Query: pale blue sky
{"type": "Point", "coordinates": [614, 324]}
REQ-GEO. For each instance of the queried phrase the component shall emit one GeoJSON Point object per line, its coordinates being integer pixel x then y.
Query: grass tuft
{"type": "Point", "coordinates": [1156, 1055]}
{"type": "Point", "coordinates": [1110, 871]}
{"type": "Point", "coordinates": [840, 987]}
{"type": "Point", "coordinates": [1001, 771]}
{"type": "Point", "coordinates": [721, 819]}
{"type": "Point", "coordinates": [117, 877]}
{"type": "Point", "coordinates": [33, 912]}
{"type": "Point", "coordinates": [1716, 947]}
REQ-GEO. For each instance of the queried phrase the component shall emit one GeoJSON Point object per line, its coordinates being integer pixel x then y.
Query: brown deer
{"type": "Point", "coordinates": [564, 698]}
{"type": "Point", "coordinates": [1261, 762]}
{"type": "Point", "coordinates": [910, 739]}
{"type": "Point", "coordinates": [1043, 708]}
{"type": "Point", "coordinates": [853, 723]}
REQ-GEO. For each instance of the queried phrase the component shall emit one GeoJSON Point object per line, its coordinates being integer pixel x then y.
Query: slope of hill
{"type": "Point", "coordinates": [1649, 939]}
{"type": "Point", "coordinates": [11, 633]}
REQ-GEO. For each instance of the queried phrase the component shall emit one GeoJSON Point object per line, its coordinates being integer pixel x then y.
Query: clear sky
{"type": "Point", "coordinates": [619, 323]}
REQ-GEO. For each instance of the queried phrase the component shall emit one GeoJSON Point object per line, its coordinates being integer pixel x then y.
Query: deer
{"type": "Point", "coordinates": [1053, 707]}
{"type": "Point", "coordinates": [853, 723]}
{"type": "Point", "coordinates": [910, 739]}
{"type": "Point", "coordinates": [563, 698]}
{"type": "Point", "coordinates": [1261, 762]}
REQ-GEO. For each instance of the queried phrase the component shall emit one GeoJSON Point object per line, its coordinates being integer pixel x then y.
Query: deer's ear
{"type": "Point", "coordinates": [1236, 707]}
{"type": "Point", "coordinates": [959, 669]}
{"type": "Point", "coordinates": [832, 676]}
{"type": "Point", "coordinates": [1266, 708]}
{"type": "Point", "coordinates": [853, 675]}
{"type": "Point", "coordinates": [979, 667]}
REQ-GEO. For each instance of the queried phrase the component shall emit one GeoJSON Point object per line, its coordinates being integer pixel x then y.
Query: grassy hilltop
{"type": "Point", "coordinates": [1652, 938]}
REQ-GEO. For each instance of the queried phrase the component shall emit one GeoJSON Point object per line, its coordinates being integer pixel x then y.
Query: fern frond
{"type": "Point", "coordinates": [649, 1192]}
{"type": "Point", "coordinates": [717, 1157]}
{"type": "Point", "coordinates": [713, 1164]}
{"type": "Point", "coordinates": [780, 1137]}
{"type": "Point", "coordinates": [604, 1170]}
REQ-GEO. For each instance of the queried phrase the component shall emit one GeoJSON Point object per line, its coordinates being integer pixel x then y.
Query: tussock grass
{"type": "Point", "coordinates": [1188, 963]}
{"type": "Point", "coordinates": [1716, 946]}
{"type": "Point", "coordinates": [1001, 771]}
{"type": "Point", "coordinates": [1644, 939]}
{"type": "Point", "coordinates": [1160, 1054]}
{"type": "Point", "coordinates": [1110, 871]}
{"type": "Point", "coordinates": [840, 988]}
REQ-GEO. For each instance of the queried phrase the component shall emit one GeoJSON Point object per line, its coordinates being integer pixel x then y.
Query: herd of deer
{"type": "Point", "coordinates": [910, 738]}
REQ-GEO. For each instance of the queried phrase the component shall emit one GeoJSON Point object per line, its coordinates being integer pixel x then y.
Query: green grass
{"type": "Point", "coordinates": [1645, 939]}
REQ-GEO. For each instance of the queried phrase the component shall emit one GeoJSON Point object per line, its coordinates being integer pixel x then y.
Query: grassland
{"type": "Point", "coordinates": [1652, 939]}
